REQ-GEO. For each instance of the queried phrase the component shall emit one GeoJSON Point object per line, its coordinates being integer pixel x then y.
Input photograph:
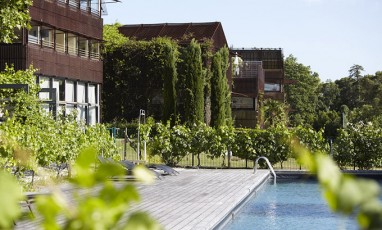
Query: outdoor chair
{"type": "Point", "coordinates": [127, 165]}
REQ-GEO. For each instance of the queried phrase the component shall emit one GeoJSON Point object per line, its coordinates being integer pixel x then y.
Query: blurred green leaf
{"type": "Point", "coordinates": [141, 221]}
{"type": "Point", "coordinates": [10, 195]}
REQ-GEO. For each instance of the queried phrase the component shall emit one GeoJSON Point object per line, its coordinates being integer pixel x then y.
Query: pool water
{"type": "Point", "coordinates": [289, 204]}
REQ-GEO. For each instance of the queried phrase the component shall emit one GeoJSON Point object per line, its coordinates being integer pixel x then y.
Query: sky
{"type": "Point", "coordinates": [328, 35]}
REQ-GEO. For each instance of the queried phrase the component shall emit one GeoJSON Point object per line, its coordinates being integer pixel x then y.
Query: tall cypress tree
{"type": "Point", "coordinates": [227, 91]}
{"type": "Point", "coordinates": [169, 75]}
{"type": "Point", "coordinates": [218, 89]}
{"type": "Point", "coordinates": [191, 84]}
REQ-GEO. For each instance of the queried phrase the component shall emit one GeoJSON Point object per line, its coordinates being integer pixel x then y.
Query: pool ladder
{"type": "Point", "coordinates": [269, 166]}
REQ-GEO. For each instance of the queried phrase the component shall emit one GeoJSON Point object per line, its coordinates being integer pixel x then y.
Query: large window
{"type": "Point", "coordinates": [44, 83]}
{"type": "Point", "coordinates": [81, 100]}
{"type": "Point", "coordinates": [72, 44]}
{"type": "Point", "coordinates": [64, 42]}
{"type": "Point", "coordinates": [94, 52]}
{"type": "Point", "coordinates": [69, 91]}
{"type": "Point", "coordinates": [46, 34]}
{"type": "Point", "coordinates": [60, 41]}
{"type": "Point", "coordinates": [34, 35]}
{"type": "Point", "coordinates": [83, 47]}
{"type": "Point", "coordinates": [73, 95]}
{"type": "Point", "coordinates": [272, 87]}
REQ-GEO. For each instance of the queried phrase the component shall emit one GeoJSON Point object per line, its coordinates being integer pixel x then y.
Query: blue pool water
{"type": "Point", "coordinates": [289, 205]}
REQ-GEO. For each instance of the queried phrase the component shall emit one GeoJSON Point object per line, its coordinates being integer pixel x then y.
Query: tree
{"type": "Point", "coordinates": [328, 95]}
{"type": "Point", "coordinates": [275, 113]}
{"type": "Point", "coordinates": [218, 88]}
{"type": "Point", "coordinates": [169, 76]}
{"type": "Point", "coordinates": [14, 14]}
{"type": "Point", "coordinates": [348, 94]}
{"type": "Point", "coordinates": [302, 95]}
{"type": "Point", "coordinates": [112, 37]}
{"type": "Point", "coordinates": [355, 73]}
{"type": "Point", "coordinates": [191, 84]}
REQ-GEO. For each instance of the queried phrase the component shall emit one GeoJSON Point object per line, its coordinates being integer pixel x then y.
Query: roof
{"type": "Point", "coordinates": [178, 31]}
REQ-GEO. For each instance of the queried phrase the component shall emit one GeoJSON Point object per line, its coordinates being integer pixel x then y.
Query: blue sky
{"type": "Point", "coordinates": [327, 35]}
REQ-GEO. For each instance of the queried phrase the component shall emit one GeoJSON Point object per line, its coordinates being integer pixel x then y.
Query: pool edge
{"type": "Point", "coordinates": [231, 214]}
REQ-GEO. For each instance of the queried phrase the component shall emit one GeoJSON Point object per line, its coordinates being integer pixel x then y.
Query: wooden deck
{"type": "Point", "coordinates": [194, 199]}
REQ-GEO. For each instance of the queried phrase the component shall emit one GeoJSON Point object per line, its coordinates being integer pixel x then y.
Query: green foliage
{"type": "Point", "coordinates": [200, 139]}
{"type": "Point", "coordinates": [191, 84]}
{"type": "Point", "coordinates": [359, 146]}
{"type": "Point", "coordinates": [134, 75]}
{"type": "Point", "coordinates": [29, 129]}
{"type": "Point", "coordinates": [14, 14]}
{"type": "Point", "coordinates": [221, 141]}
{"type": "Point", "coordinates": [113, 38]}
{"type": "Point", "coordinates": [310, 139]}
{"type": "Point", "coordinates": [103, 210]}
{"type": "Point", "coordinates": [170, 143]}
{"type": "Point", "coordinates": [275, 113]}
{"type": "Point", "coordinates": [244, 146]}
{"type": "Point", "coordinates": [169, 76]}
{"type": "Point", "coordinates": [343, 193]}
{"type": "Point", "coordinates": [10, 195]}
{"type": "Point", "coordinates": [302, 95]}
{"type": "Point", "coordinates": [218, 90]}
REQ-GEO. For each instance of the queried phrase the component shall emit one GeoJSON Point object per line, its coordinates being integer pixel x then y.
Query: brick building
{"type": "Point", "coordinates": [64, 46]}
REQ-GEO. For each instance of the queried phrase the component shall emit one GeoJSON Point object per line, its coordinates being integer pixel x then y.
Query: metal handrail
{"type": "Point", "coordinates": [269, 165]}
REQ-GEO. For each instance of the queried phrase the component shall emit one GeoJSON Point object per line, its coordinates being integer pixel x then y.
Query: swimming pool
{"type": "Point", "coordinates": [289, 204]}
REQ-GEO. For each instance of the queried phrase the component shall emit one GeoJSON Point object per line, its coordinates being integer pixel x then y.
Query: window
{"type": "Point", "coordinates": [81, 100]}
{"type": "Point", "coordinates": [69, 91]}
{"type": "Point", "coordinates": [60, 89]}
{"type": "Point", "coordinates": [94, 50]}
{"type": "Point", "coordinates": [72, 44]}
{"type": "Point", "coordinates": [60, 41]}
{"type": "Point", "coordinates": [272, 87]}
{"type": "Point", "coordinates": [242, 102]}
{"type": "Point", "coordinates": [92, 115]}
{"type": "Point", "coordinates": [47, 37]}
{"type": "Point", "coordinates": [44, 83]}
{"type": "Point", "coordinates": [94, 7]}
{"type": "Point", "coordinates": [83, 47]}
{"type": "Point", "coordinates": [81, 92]}
{"type": "Point", "coordinates": [92, 94]}
{"type": "Point", "coordinates": [34, 35]}
{"type": "Point", "coordinates": [74, 3]}
{"type": "Point", "coordinates": [84, 4]}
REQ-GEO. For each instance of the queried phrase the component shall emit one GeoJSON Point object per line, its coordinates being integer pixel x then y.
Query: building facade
{"type": "Point", "coordinates": [63, 45]}
{"type": "Point", "coordinates": [258, 74]}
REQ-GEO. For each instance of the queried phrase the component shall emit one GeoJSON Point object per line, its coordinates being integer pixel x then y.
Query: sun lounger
{"type": "Point", "coordinates": [128, 165]}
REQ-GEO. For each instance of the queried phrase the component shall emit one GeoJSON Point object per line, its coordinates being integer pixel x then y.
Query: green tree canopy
{"type": "Point", "coordinates": [14, 14]}
{"type": "Point", "coordinates": [302, 95]}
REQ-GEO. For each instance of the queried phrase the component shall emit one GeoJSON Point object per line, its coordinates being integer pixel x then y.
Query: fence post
{"type": "Point", "coordinates": [125, 145]}
{"type": "Point", "coordinates": [229, 157]}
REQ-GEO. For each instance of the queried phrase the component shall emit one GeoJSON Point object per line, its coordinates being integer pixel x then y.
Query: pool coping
{"type": "Point", "coordinates": [230, 215]}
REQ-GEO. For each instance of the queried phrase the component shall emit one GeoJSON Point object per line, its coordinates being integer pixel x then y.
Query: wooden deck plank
{"type": "Point", "coordinates": [194, 199]}
{"type": "Point", "coordinates": [201, 198]}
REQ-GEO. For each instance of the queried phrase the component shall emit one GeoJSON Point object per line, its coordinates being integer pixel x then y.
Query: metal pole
{"type": "Point", "coordinates": [142, 113]}
{"type": "Point", "coordinates": [139, 125]}
{"type": "Point", "coordinates": [125, 145]}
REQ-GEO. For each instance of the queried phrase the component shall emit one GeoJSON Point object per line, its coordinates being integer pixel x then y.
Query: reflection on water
{"type": "Point", "coordinates": [290, 205]}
